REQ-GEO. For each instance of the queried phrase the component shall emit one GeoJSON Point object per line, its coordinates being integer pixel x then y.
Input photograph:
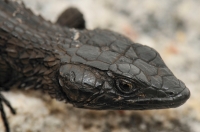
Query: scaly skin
{"type": "Point", "coordinates": [93, 69]}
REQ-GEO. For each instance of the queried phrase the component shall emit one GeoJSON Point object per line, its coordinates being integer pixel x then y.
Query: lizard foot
{"type": "Point", "coordinates": [3, 114]}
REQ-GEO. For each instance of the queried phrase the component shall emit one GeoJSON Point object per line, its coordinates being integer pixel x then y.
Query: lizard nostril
{"type": "Point", "coordinates": [170, 93]}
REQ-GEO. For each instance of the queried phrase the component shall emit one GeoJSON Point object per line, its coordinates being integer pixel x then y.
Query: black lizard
{"type": "Point", "coordinates": [93, 69]}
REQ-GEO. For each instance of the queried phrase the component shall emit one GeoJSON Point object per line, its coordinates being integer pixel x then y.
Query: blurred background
{"type": "Point", "coordinates": [170, 27]}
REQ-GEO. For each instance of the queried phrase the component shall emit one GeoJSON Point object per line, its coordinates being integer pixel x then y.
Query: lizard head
{"type": "Point", "coordinates": [119, 75]}
{"type": "Point", "coordinates": [123, 86]}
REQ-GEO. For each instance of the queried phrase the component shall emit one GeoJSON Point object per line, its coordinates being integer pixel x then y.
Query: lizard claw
{"type": "Point", "coordinates": [3, 114]}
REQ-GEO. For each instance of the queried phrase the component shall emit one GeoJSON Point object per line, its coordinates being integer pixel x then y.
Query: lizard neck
{"type": "Point", "coordinates": [32, 63]}
{"type": "Point", "coordinates": [31, 49]}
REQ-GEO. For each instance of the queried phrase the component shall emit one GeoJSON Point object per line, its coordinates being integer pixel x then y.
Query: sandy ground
{"type": "Point", "coordinates": [171, 27]}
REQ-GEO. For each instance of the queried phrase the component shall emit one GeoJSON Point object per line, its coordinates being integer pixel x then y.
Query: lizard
{"type": "Point", "coordinates": [92, 69]}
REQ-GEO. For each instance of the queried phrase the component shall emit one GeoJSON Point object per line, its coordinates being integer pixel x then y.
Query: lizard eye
{"type": "Point", "coordinates": [125, 86]}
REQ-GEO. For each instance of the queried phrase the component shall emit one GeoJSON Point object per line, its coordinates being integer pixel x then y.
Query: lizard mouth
{"type": "Point", "coordinates": [140, 104]}
{"type": "Point", "coordinates": [160, 103]}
